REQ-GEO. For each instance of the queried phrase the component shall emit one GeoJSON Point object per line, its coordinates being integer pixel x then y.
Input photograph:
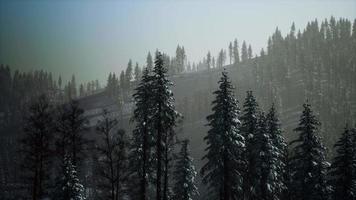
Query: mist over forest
{"type": "Point", "coordinates": [276, 124]}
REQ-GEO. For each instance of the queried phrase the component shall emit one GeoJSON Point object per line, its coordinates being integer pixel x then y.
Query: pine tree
{"type": "Point", "coordinates": [128, 75]}
{"type": "Point", "coordinates": [164, 120]}
{"type": "Point", "coordinates": [308, 162]}
{"type": "Point", "coordinates": [81, 90]}
{"type": "Point", "coordinates": [137, 72]}
{"type": "Point", "coordinates": [261, 172]}
{"type": "Point", "coordinates": [142, 139]}
{"type": "Point", "coordinates": [73, 87]}
{"type": "Point", "coordinates": [244, 53]}
{"type": "Point", "coordinates": [69, 186]}
{"type": "Point", "coordinates": [223, 170]}
{"type": "Point", "coordinates": [60, 82]}
{"type": "Point", "coordinates": [35, 147]}
{"type": "Point", "coordinates": [268, 170]}
{"type": "Point", "coordinates": [149, 62]}
{"type": "Point", "coordinates": [280, 153]}
{"type": "Point", "coordinates": [248, 130]}
{"type": "Point", "coordinates": [343, 168]}
{"type": "Point", "coordinates": [230, 52]}
{"type": "Point", "coordinates": [221, 59]}
{"type": "Point", "coordinates": [249, 52]}
{"type": "Point", "coordinates": [184, 175]}
{"type": "Point", "coordinates": [236, 52]}
{"type": "Point", "coordinates": [208, 60]}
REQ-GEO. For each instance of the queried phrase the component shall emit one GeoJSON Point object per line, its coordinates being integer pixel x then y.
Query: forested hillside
{"type": "Point", "coordinates": [314, 67]}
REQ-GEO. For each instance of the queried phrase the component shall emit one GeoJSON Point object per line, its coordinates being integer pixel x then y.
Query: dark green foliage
{"type": "Point", "coordinates": [69, 186]}
{"type": "Point", "coordinates": [343, 168]}
{"type": "Point", "coordinates": [248, 130]}
{"type": "Point", "coordinates": [184, 175]}
{"type": "Point", "coordinates": [164, 120]}
{"type": "Point", "coordinates": [141, 158]}
{"type": "Point", "coordinates": [308, 162]}
{"type": "Point", "coordinates": [280, 153]}
{"type": "Point", "coordinates": [224, 155]}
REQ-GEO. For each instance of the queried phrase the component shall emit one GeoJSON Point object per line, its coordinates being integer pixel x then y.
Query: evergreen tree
{"type": "Point", "coordinates": [141, 157]}
{"type": "Point", "coordinates": [343, 168]}
{"type": "Point", "coordinates": [164, 120]}
{"type": "Point", "coordinates": [60, 82]}
{"type": "Point", "coordinates": [249, 52]}
{"type": "Point", "coordinates": [221, 59]}
{"type": "Point", "coordinates": [248, 130]}
{"type": "Point", "coordinates": [180, 58]}
{"type": "Point", "coordinates": [230, 52]}
{"type": "Point", "coordinates": [223, 170]}
{"type": "Point", "coordinates": [35, 147]}
{"type": "Point", "coordinates": [69, 186]}
{"type": "Point", "coordinates": [268, 170]}
{"type": "Point", "coordinates": [122, 81]}
{"type": "Point", "coordinates": [208, 60]}
{"type": "Point", "coordinates": [308, 162]}
{"type": "Point", "coordinates": [73, 88]}
{"type": "Point", "coordinates": [128, 75]}
{"type": "Point", "coordinates": [81, 90]}
{"type": "Point", "coordinates": [184, 175]}
{"type": "Point", "coordinates": [137, 72]}
{"type": "Point", "coordinates": [149, 62]}
{"type": "Point", "coordinates": [244, 53]}
{"type": "Point", "coordinates": [280, 153]}
{"type": "Point", "coordinates": [236, 52]}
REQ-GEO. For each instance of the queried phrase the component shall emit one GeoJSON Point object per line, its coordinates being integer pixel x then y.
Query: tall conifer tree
{"type": "Point", "coordinates": [224, 154]}
{"type": "Point", "coordinates": [343, 168]}
{"type": "Point", "coordinates": [184, 175]}
{"type": "Point", "coordinates": [142, 140]}
{"type": "Point", "coordinates": [308, 162]}
{"type": "Point", "coordinates": [164, 120]}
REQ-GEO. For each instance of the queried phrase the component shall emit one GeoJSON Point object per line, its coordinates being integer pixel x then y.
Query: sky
{"type": "Point", "coordinates": [92, 38]}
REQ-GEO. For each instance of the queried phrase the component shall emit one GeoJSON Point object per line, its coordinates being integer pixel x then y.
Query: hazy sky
{"type": "Point", "coordinates": [91, 38]}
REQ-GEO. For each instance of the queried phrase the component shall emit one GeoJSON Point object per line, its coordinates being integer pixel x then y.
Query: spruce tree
{"type": "Point", "coordinates": [149, 62]}
{"type": "Point", "coordinates": [343, 168]}
{"type": "Point", "coordinates": [224, 155]}
{"type": "Point", "coordinates": [248, 130]}
{"type": "Point", "coordinates": [280, 153]}
{"type": "Point", "coordinates": [69, 186]}
{"type": "Point", "coordinates": [184, 175]}
{"type": "Point", "coordinates": [244, 52]}
{"type": "Point", "coordinates": [208, 60]}
{"type": "Point", "coordinates": [137, 72]}
{"type": "Point", "coordinates": [249, 52]}
{"type": "Point", "coordinates": [230, 52]}
{"type": "Point", "coordinates": [261, 173]}
{"type": "Point", "coordinates": [141, 157]}
{"type": "Point", "coordinates": [268, 170]}
{"type": "Point", "coordinates": [308, 162]}
{"type": "Point", "coordinates": [236, 52]}
{"type": "Point", "coordinates": [164, 120]}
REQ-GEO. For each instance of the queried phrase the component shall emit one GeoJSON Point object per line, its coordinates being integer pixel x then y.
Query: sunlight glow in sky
{"type": "Point", "coordinates": [92, 38]}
